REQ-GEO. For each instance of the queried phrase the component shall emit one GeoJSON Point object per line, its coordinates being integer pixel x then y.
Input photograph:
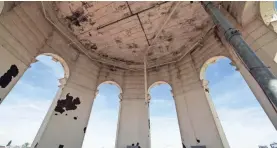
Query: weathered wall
{"type": "Point", "coordinates": [196, 121]}
{"type": "Point", "coordinates": [72, 111]}
{"type": "Point", "coordinates": [84, 78]}
{"type": "Point", "coordinates": [25, 34]}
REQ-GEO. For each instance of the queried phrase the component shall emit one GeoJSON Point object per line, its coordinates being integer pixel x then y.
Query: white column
{"type": "Point", "coordinates": [68, 120]}
{"type": "Point", "coordinates": [12, 68]}
{"type": "Point", "coordinates": [196, 121]}
{"type": "Point", "coordinates": [49, 113]}
{"type": "Point", "coordinates": [133, 123]}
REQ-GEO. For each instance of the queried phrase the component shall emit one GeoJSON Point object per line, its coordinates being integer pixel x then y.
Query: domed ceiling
{"type": "Point", "coordinates": [126, 31]}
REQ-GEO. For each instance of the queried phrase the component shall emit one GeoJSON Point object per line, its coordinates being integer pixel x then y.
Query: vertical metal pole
{"type": "Point", "coordinates": [258, 70]}
{"type": "Point", "coordinates": [145, 80]}
{"type": "Point", "coordinates": [146, 96]}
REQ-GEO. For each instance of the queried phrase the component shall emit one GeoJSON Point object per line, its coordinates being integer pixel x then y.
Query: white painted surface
{"type": "Point", "coordinates": [8, 60]}
{"type": "Point", "coordinates": [196, 120]}
{"type": "Point", "coordinates": [133, 123]}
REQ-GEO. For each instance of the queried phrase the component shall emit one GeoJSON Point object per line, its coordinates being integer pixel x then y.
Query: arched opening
{"type": "Point", "coordinates": [163, 117]}
{"type": "Point", "coordinates": [102, 126]}
{"type": "Point", "coordinates": [243, 120]}
{"type": "Point", "coordinates": [23, 110]}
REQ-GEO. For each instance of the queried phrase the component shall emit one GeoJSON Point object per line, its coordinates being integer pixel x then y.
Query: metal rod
{"type": "Point", "coordinates": [163, 25]}
{"type": "Point", "coordinates": [258, 70]}
{"type": "Point", "coordinates": [145, 79]}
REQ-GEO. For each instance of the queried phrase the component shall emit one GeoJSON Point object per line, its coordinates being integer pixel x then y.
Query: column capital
{"type": "Point", "coordinates": [120, 97]}
{"type": "Point", "coordinates": [205, 83]}
{"type": "Point", "coordinates": [62, 82]}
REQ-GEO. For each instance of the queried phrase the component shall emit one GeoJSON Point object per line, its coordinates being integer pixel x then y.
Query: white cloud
{"type": "Point", "coordinates": [164, 122]}
{"type": "Point", "coordinates": [247, 127]}
{"type": "Point", "coordinates": [243, 120]}
{"type": "Point", "coordinates": [20, 120]}
{"type": "Point", "coordinates": [101, 130]}
{"type": "Point", "coordinates": [161, 129]}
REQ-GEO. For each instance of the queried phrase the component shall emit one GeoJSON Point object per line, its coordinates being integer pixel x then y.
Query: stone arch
{"type": "Point", "coordinates": [252, 84]}
{"type": "Point", "coordinates": [157, 83]}
{"type": "Point", "coordinates": [207, 63]}
{"type": "Point", "coordinates": [119, 109]}
{"type": "Point", "coordinates": [175, 113]}
{"type": "Point", "coordinates": [210, 102]}
{"type": "Point", "coordinates": [110, 82]}
{"type": "Point", "coordinates": [57, 58]}
{"type": "Point", "coordinates": [64, 67]}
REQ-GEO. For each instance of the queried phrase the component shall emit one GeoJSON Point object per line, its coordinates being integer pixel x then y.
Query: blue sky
{"type": "Point", "coordinates": [243, 120]}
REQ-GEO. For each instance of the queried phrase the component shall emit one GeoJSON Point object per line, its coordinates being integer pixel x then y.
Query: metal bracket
{"type": "Point", "coordinates": [230, 33]}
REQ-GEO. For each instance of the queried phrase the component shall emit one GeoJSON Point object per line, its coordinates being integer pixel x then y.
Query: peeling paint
{"type": "Point", "coordinates": [118, 40]}
{"type": "Point", "coordinates": [150, 53]}
{"type": "Point", "coordinates": [132, 45]}
{"type": "Point", "coordinates": [7, 77]}
{"type": "Point", "coordinates": [87, 4]}
{"type": "Point", "coordinates": [68, 104]}
{"type": "Point", "coordinates": [77, 17]}
{"type": "Point", "coordinates": [88, 44]}
{"type": "Point", "coordinates": [121, 7]}
{"type": "Point", "coordinates": [149, 123]}
{"type": "Point", "coordinates": [85, 129]}
{"type": "Point", "coordinates": [119, 31]}
{"type": "Point", "coordinates": [138, 145]}
{"type": "Point", "coordinates": [36, 145]}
